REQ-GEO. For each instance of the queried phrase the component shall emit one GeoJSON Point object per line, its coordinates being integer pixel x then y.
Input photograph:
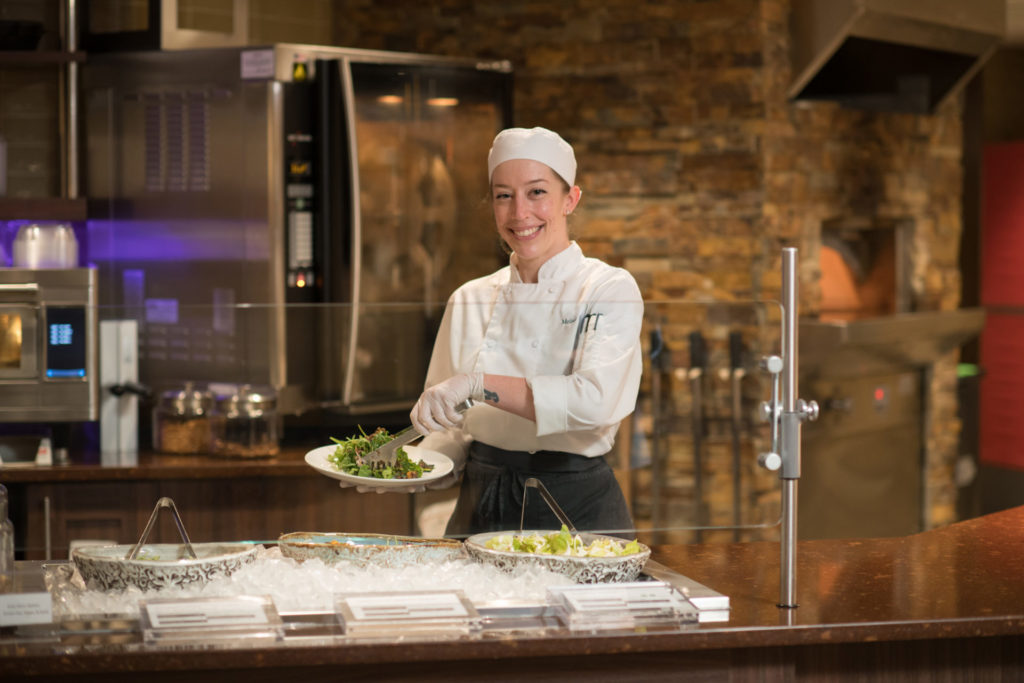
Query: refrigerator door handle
{"type": "Point", "coordinates": [356, 229]}
{"type": "Point", "coordinates": [339, 253]}
{"type": "Point", "coordinates": [326, 109]}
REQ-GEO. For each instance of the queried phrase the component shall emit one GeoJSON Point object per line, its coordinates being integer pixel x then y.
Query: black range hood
{"type": "Point", "coordinates": [891, 55]}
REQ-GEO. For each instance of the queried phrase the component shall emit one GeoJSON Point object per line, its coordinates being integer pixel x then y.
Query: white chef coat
{"type": "Point", "coordinates": [574, 335]}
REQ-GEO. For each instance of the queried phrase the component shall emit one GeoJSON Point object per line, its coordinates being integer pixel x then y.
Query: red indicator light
{"type": "Point", "coordinates": [879, 394]}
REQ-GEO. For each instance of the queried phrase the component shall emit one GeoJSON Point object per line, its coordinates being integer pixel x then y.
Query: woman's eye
{"type": "Point", "coordinates": [537, 191]}
{"type": "Point", "coordinates": [502, 195]}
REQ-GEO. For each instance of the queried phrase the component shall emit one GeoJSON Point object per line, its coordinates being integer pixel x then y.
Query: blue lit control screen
{"type": "Point", "coordinates": [65, 342]}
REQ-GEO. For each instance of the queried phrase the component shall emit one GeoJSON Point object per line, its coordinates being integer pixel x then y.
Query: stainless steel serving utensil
{"type": "Point", "coordinates": [534, 483]}
{"type": "Point", "coordinates": [385, 455]}
{"type": "Point", "coordinates": [160, 504]}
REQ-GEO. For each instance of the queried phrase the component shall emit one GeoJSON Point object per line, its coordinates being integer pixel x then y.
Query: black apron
{"type": "Point", "coordinates": [491, 496]}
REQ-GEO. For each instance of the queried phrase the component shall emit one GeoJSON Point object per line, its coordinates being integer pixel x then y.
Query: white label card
{"type": "Point", "coordinates": [20, 609]}
{"type": "Point", "coordinates": [407, 607]}
{"type": "Point", "coordinates": [620, 598]}
{"type": "Point", "coordinates": [206, 614]}
{"type": "Point", "coordinates": [257, 64]}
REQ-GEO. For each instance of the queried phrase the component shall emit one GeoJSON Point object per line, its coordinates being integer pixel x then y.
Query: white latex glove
{"type": "Point", "coordinates": [436, 409]}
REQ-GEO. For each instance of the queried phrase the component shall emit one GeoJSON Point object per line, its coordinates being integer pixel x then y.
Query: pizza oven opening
{"type": "Point", "coordinates": [863, 268]}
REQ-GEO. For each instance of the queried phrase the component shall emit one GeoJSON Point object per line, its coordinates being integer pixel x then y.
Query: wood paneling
{"type": "Point", "coordinates": [248, 508]}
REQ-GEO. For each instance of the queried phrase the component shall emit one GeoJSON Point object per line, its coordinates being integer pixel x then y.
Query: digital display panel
{"type": "Point", "coordinates": [65, 342]}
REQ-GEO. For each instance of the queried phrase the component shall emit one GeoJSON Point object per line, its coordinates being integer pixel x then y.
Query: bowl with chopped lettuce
{"type": "Point", "coordinates": [582, 556]}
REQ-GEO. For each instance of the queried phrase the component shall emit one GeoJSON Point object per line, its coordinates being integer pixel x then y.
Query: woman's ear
{"type": "Point", "coordinates": [572, 199]}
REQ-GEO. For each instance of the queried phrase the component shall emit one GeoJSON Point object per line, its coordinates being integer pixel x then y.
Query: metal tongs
{"type": "Point", "coordinates": [385, 455]}
{"type": "Point", "coordinates": [162, 503]}
{"type": "Point", "coordinates": [534, 483]}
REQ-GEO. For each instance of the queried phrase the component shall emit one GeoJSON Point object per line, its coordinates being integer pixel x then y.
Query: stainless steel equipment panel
{"type": "Point", "coordinates": [861, 460]}
{"type": "Point", "coordinates": [48, 361]}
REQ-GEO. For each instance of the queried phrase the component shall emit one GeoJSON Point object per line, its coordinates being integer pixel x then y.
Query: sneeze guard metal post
{"type": "Point", "coordinates": [786, 416]}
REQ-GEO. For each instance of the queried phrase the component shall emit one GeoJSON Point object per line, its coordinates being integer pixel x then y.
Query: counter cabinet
{"type": "Point", "coordinates": [943, 605]}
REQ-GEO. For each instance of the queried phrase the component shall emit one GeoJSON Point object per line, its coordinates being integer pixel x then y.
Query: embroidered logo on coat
{"type": "Point", "coordinates": [590, 321]}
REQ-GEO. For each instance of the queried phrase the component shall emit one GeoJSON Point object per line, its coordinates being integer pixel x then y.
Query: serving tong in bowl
{"type": "Point", "coordinates": [534, 483]}
{"type": "Point", "coordinates": [164, 502]}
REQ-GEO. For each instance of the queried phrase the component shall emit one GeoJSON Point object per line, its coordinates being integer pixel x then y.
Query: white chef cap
{"type": "Point", "coordinates": [538, 144]}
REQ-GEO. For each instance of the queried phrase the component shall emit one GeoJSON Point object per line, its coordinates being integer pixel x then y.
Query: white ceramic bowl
{"type": "Point", "coordinates": [379, 550]}
{"type": "Point", "coordinates": [159, 565]}
{"type": "Point", "coordinates": [579, 569]}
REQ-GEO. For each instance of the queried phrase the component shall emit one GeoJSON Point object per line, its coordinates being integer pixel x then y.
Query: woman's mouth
{"type": "Point", "coordinates": [526, 233]}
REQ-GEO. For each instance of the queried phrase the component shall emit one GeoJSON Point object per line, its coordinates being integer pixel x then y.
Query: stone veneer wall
{"type": "Point", "coordinates": [696, 168]}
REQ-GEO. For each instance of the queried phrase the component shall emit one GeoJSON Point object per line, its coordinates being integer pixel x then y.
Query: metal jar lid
{"type": "Point", "coordinates": [189, 401]}
{"type": "Point", "coordinates": [248, 402]}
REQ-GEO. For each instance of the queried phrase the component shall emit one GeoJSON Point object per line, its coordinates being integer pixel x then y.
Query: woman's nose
{"type": "Point", "coordinates": [519, 207]}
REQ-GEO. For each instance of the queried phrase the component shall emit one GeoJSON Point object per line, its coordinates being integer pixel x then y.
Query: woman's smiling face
{"type": "Point", "coordinates": [530, 209]}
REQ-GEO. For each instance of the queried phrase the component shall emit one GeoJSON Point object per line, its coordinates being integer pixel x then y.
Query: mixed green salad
{"type": "Point", "coordinates": [562, 543]}
{"type": "Point", "coordinates": [349, 457]}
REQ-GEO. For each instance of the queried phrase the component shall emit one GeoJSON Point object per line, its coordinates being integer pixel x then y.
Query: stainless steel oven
{"type": "Point", "coordinates": [48, 350]}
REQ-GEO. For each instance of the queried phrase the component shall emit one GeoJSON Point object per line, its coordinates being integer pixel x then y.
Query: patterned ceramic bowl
{"type": "Point", "coordinates": [380, 550]}
{"type": "Point", "coordinates": [579, 569]}
{"type": "Point", "coordinates": [159, 565]}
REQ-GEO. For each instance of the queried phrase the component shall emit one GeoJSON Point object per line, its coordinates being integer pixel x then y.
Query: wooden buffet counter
{"type": "Point", "coordinates": [943, 605]}
{"type": "Point", "coordinates": [220, 499]}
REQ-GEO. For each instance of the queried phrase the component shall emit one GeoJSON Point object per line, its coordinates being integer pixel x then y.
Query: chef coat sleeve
{"type": "Point", "coordinates": [452, 442]}
{"type": "Point", "coordinates": [442, 359]}
{"type": "Point", "coordinates": [602, 385]}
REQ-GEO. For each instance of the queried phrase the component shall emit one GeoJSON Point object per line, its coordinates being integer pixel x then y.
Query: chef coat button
{"type": "Point", "coordinates": [490, 343]}
{"type": "Point", "coordinates": [535, 343]}
{"type": "Point", "coordinates": [551, 290]}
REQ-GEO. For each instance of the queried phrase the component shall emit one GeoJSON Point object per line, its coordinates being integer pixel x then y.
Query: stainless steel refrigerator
{"type": "Point", "coordinates": [289, 215]}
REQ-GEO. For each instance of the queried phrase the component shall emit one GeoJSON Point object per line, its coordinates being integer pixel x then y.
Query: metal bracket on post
{"type": "Point", "coordinates": [785, 412]}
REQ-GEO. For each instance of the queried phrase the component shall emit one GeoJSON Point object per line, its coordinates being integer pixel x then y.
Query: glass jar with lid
{"type": "Point", "coordinates": [246, 423]}
{"type": "Point", "coordinates": [181, 420]}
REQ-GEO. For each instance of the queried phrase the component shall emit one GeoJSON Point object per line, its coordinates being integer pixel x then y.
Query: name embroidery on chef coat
{"type": "Point", "coordinates": [591, 318]}
{"type": "Point", "coordinates": [585, 325]}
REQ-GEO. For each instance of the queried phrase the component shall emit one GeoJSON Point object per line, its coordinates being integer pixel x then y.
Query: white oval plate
{"type": "Point", "coordinates": [318, 460]}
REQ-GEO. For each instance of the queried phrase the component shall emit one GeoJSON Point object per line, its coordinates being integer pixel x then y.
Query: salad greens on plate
{"type": "Point", "coordinates": [348, 457]}
{"type": "Point", "coordinates": [562, 543]}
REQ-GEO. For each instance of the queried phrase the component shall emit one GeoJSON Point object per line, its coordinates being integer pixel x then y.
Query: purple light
{"type": "Point", "coordinates": [206, 240]}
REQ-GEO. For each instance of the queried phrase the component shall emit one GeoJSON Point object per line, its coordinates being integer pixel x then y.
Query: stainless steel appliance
{"type": "Point", "coordinates": [864, 460]}
{"type": "Point", "coordinates": [48, 351]}
{"type": "Point", "coordinates": [290, 215]}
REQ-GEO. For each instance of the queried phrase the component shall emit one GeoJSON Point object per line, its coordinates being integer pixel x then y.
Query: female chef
{"type": "Point", "coordinates": [547, 347]}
